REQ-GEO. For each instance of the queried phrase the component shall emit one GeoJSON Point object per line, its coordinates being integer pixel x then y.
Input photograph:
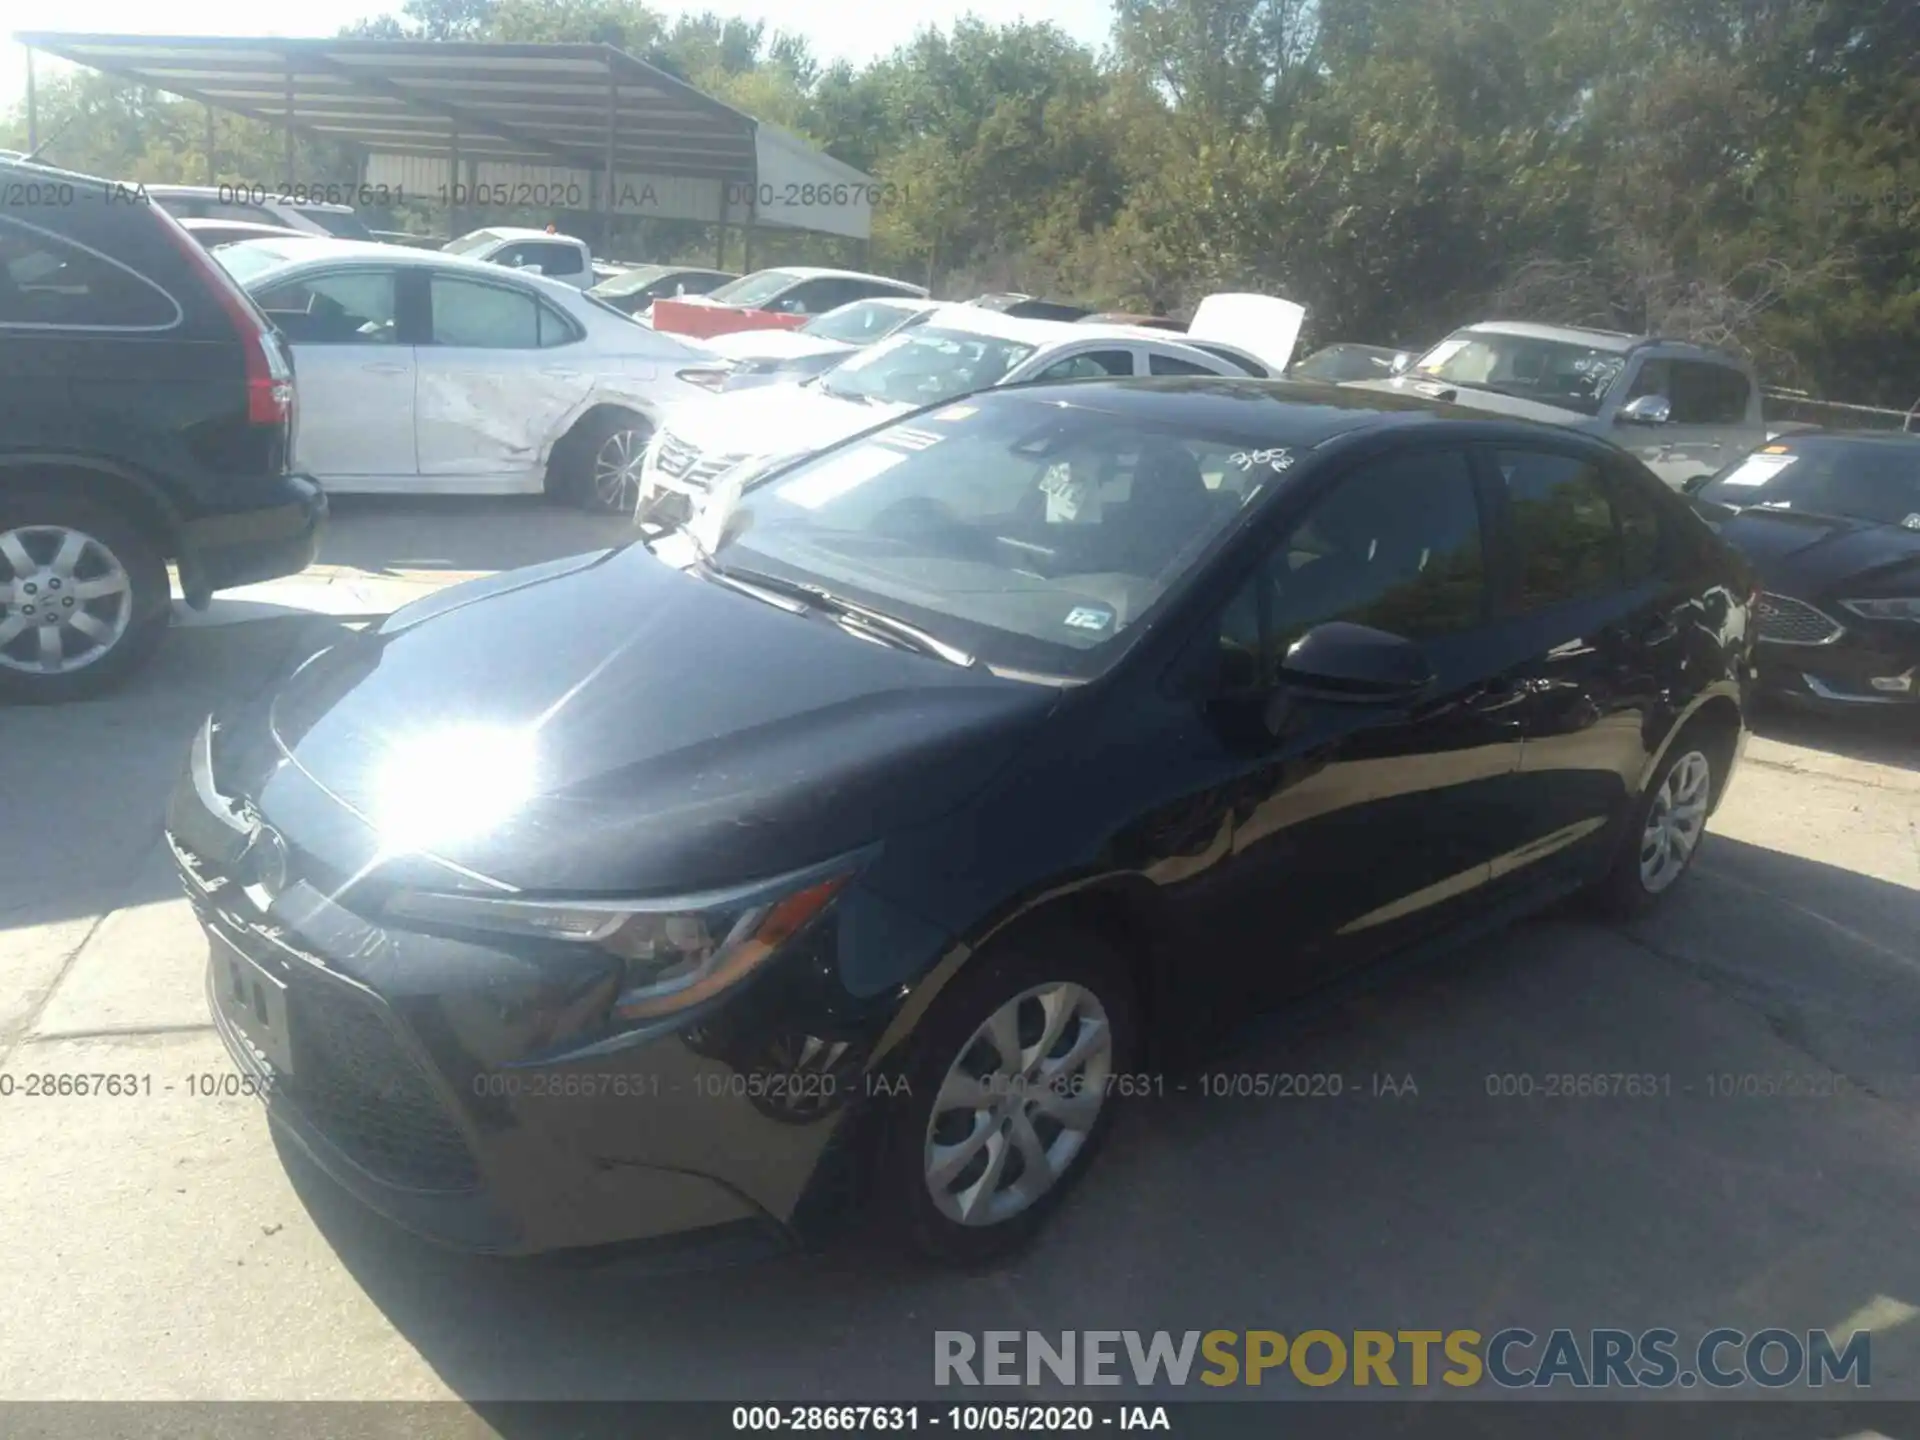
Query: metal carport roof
{"type": "Point", "coordinates": [590, 110]}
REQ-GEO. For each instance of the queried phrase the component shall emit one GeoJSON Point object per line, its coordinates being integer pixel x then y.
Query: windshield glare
{"type": "Point", "coordinates": [246, 260]}
{"type": "Point", "coordinates": [924, 366]}
{"type": "Point", "coordinates": [1876, 481]}
{"type": "Point", "coordinates": [1551, 372]}
{"type": "Point", "coordinates": [1038, 537]}
{"type": "Point", "coordinates": [857, 324]}
{"type": "Point", "coordinates": [750, 291]}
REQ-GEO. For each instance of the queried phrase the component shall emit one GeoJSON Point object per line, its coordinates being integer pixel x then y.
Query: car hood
{"type": "Point", "coordinates": [773, 345]}
{"type": "Point", "coordinates": [789, 420]}
{"type": "Point", "coordinates": [1491, 401]}
{"type": "Point", "coordinates": [665, 734]}
{"type": "Point", "coordinates": [1808, 553]}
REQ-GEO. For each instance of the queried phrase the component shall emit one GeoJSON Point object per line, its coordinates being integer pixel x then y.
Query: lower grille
{"type": "Point", "coordinates": [1788, 621]}
{"type": "Point", "coordinates": [369, 1097]}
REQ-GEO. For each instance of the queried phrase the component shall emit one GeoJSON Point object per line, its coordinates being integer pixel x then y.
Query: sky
{"type": "Point", "coordinates": [856, 30]}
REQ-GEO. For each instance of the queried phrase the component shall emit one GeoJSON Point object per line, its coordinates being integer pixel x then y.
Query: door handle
{"type": "Point", "coordinates": [384, 368]}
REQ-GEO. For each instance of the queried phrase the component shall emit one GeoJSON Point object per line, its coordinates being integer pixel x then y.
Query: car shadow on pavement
{"type": "Point", "coordinates": [1881, 735]}
{"type": "Point", "coordinates": [96, 774]}
{"type": "Point", "coordinates": [1414, 1149]}
{"type": "Point", "coordinates": [395, 534]}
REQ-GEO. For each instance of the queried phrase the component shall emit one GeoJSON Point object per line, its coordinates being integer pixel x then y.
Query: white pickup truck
{"type": "Point", "coordinates": [1684, 409]}
{"type": "Point", "coordinates": [558, 257]}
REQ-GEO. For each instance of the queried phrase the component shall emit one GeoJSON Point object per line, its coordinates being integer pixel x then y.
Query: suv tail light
{"type": "Point", "coordinates": [269, 375]}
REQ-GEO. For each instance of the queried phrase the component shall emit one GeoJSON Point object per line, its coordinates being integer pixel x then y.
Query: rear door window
{"type": "Point", "coordinates": [482, 317]}
{"type": "Point", "coordinates": [48, 282]}
{"type": "Point", "coordinates": [1089, 365]}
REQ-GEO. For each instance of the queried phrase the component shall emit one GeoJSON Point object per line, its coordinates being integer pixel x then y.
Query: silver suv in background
{"type": "Point", "coordinates": [257, 207]}
{"type": "Point", "coordinates": [1684, 409]}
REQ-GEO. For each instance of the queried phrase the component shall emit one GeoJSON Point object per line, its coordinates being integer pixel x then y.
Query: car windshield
{"type": "Point", "coordinates": [1560, 373]}
{"type": "Point", "coordinates": [629, 281]}
{"type": "Point", "coordinates": [755, 289]}
{"type": "Point", "coordinates": [1339, 363]}
{"type": "Point", "coordinates": [1038, 536]}
{"type": "Point", "coordinates": [470, 242]}
{"type": "Point", "coordinates": [858, 323]}
{"type": "Point", "coordinates": [344, 223]}
{"type": "Point", "coordinates": [924, 366]}
{"type": "Point", "coordinates": [1873, 480]}
{"type": "Point", "coordinates": [247, 260]}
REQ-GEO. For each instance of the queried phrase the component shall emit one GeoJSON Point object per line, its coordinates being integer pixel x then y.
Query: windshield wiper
{"type": "Point", "coordinates": [847, 612]}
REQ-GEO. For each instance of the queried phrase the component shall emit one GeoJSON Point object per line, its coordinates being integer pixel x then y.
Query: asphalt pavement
{"type": "Point", "coordinates": [159, 1245]}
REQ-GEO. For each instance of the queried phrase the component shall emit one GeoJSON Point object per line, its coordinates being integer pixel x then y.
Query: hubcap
{"type": "Point", "coordinates": [1018, 1103]}
{"type": "Point", "coordinates": [1674, 824]}
{"type": "Point", "coordinates": [65, 599]}
{"type": "Point", "coordinates": [616, 470]}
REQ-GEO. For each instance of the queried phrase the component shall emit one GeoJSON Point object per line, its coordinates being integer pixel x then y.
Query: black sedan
{"type": "Point", "coordinates": [1831, 522]}
{"type": "Point", "coordinates": [874, 840]}
{"type": "Point", "coordinates": [632, 291]}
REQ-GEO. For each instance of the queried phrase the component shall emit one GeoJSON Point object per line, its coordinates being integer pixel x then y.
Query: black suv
{"type": "Point", "coordinates": [146, 416]}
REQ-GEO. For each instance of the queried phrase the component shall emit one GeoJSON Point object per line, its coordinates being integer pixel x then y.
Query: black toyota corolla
{"type": "Point", "coordinates": [864, 847]}
{"type": "Point", "coordinates": [1831, 522]}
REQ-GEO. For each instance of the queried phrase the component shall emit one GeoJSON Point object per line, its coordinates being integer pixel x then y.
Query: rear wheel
{"type": "Point", "coordinates": [600, 462]}
{"type": "Point", "coordinates": [83, 597]}
{"type": "Point", "coordinates": [1008, 1095]}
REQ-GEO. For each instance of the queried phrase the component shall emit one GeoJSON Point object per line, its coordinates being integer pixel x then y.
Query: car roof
{"type": "Point", "coordinates": [817, 272]}
{"type": "Point", "coordinates": [214, 192]}
{"type": "Point", "coordinates": [1296, 413]}
{"type": "Point", "coordinates": [246, 227]}
{"type": "Point", "coordinates": [1618, 340]}
{"type": "Point", "coordinates": [521, 232]}
{"type": "Point", "coordinates": [323, 248]}
{"type": "Point", "coordinates": [40, 170]}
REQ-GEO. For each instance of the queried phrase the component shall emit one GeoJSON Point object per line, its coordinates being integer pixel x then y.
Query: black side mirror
{"type": "Point", "coordinates": [1694, 484]}
{"type": "Point", "coordinates": [1355, 664]}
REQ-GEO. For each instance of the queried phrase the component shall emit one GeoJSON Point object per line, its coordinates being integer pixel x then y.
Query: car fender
{"type": "Point", "coordinates": [18, 466]}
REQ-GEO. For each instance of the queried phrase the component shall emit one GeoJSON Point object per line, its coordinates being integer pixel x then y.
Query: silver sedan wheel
{"type": "Point", "coordinates": [1675, 823]}
{"type": "Point", "coordinates": [1018, 1103]}
{"type": "Point", "coordinates": [616, 469]}
{"type": "Point", "coordinates": [65, 599]}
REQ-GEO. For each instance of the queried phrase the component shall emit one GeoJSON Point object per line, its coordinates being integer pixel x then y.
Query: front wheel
{"type": "Point", "coordinates": [1009, 1095]}
{"type": "Point", "coordinates": [83, 597]}
{"type": "Point", "coordinates": [1667, 829]}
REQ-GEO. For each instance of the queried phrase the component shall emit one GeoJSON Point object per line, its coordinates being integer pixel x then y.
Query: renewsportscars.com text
{"type": "Point", "coordinates": [1512, 1358]}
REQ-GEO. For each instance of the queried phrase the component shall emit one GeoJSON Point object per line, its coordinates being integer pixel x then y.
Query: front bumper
{"type": "Point", "coordinates": [1853, 671]}
{"type": "Point", "coordinates": [449, 1085]}
{"type": "Point", "coordinates": [243, 547]}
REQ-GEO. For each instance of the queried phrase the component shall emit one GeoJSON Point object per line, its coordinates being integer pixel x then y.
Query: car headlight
{"type": "Point", "coordinates": [1907, 608]}
{"type": "Point", "coordinates": [676, 952]}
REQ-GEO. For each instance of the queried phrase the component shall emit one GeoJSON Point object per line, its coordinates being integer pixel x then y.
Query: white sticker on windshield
{"type": "Point", "coordinates": [1440, 354]}
{"type": "Point", "coordinates": [1912, 522]}
{"type": "Point", "coordinates": [957, 412]}
{"type": "Point", "coordinates": [1071, 498]}
{"type": "Point", "coordinates": [911, 439]}
{"type": "Point", "coordinates": [1759, 469]}
{"type": "Point", "coordinates": [1278, 460]}
{"type": "Point", "coordinates": [835, 478]}
{"type": "Point", "coordinates": [1090, 617]}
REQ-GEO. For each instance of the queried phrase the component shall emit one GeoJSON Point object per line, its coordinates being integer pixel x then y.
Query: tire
{"type": "Point", "coordinates": [1018, 980]}
{"type": "Point", "coordinates": [112, 573]}
{"type": "Point", "coordinates": [598, 463]}
{"type": "Point", "coordinates": [1690, 776]}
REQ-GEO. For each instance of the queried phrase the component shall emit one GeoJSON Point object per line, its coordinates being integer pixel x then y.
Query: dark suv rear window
{"type": "Point", "coordinates": [50, 282]}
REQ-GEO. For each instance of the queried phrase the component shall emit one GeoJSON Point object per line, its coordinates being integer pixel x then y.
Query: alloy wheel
{"type": "Point", "coordinates": [1018, 1103]}
{"type": "Point", "coordinates": [1676, 821]}
{"type": "Point", "coordinates": [616, 470]}
{"type": "Point", "coordinates": [65, 599]}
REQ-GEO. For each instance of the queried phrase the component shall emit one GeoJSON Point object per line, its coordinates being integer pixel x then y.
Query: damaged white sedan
{"type": "Point", "coordinates": [950, 353]}
{"type": "Point", "coordinates": [417, 372]}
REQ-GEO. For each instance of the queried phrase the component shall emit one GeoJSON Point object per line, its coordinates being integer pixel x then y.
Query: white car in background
{"type": "Point", "coordinates": [958, 349]}
{"type": "Point", "coordinates": [748, 359]}
{"type": "Point", "coordinates": [565, 258]}
{"type": "Point", "coordinates": [422, 373]}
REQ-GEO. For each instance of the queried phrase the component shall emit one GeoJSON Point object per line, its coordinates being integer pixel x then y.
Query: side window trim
{"type": "Point", "coordinates": [65, 242]}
